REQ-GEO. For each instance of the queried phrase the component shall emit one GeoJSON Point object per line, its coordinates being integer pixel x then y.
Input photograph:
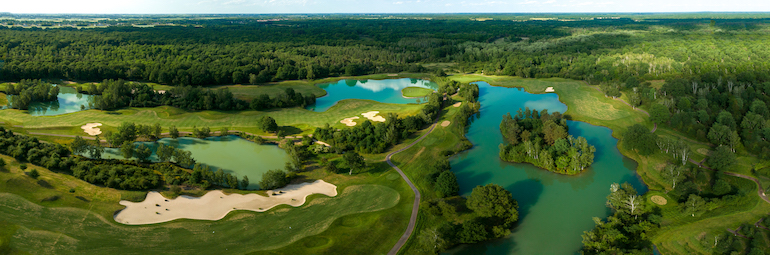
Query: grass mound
{"type": "Point", "coordinates": [415, 92]}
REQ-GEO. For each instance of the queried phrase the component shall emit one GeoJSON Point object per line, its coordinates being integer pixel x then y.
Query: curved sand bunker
{"type": "Point", "coordinates": [215, 205]}
{"type": "Point", "coordinates": [91, 128]}
{"type": "Point", "coordinates": [349, 121]}
{"type": "Point", "coordinates": [659, 200]}
{"type": "Point", "coordinates": [457, 104]}
{"type": "Point", "coordinates": [549, 89]}
{"type": "Point", "coordinates": [373, 116]}
{"type": "Point", "coordinates": [445, 123]}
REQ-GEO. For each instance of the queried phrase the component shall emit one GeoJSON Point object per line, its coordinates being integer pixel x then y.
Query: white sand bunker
{"type": "Point", "coordinates": [373, 116]}
{"type": "Point", "coordinates": [392, 74]}
{"type": "Point", "coordinates": [91, 128]}
{"type": "Point", "coordinates": [349, 121]}
{"type": "Point", "coordinates": [457, 104]}
{"type": "Point", "coordinates": [215, 205]}
{"type": "Point", "coordinates": [445, 123]}
{"type": "Point", "coordinates": [549, 89]}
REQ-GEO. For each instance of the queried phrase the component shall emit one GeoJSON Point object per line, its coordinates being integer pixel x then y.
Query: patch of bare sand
{"type": "Point", "coordinates": [349, 121]}
{"type": "Point", "coordinates": [549, 89]}
{"type": "Point", "coordinates": [659, 200]}
{"type": "Point", "coordinates": [445, 123]}
{"type": "Point", "coordinates": [215, 205]}
{"type": "Point", "coordinates": [392, 74]}
{"type": "Point", "coordinates": [703, 151]}
{"type": "Point", "coordinates": [457, 104]}
{"type": "Point", "coordinates": [91, 128]}
{"type": "Point", "coordinates": [373, 116]}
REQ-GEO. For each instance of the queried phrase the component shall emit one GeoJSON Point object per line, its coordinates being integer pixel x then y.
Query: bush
{"type": "Point", "coordinates": [273, 179]}
{"type": "Point", "coordinates": [23, 166]}
{"type": "Point", "coordinates": [446, 184]}
{"type": "Point", "coordinates": [33, 173]}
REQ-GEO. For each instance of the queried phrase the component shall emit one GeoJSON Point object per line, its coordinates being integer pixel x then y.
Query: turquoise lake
{"type": "Point", "coordinates": [69, 101]}
{"type": "Point", "coordinates": [384, 91]}
{"type": "Point", "coordinates": [554, 209]}
{"type": "Point", "coordinates": [232, 154]}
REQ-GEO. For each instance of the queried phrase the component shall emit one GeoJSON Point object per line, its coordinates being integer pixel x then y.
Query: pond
{"type": "Point", "coordinates": [384, 91]}
{"type": "Point", "coordinates": [232, 154]}
{"type": "Point", "coordinates": [554, 209]}
{"type": "Point", "coordinates": [69, 101]}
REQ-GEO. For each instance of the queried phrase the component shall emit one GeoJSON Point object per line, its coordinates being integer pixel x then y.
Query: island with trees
{"type": "Point", "coordinates": [541, 139]}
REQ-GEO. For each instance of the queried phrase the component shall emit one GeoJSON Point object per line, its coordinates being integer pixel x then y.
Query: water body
{"type": "Point", "coordinates": [384, 91]}
{"type": "Point", "coordinates": [232, 154]}
{"type": "Point", "coordinates": [554, 209]}
{"type": "Point", "coordinates": [69, 101]}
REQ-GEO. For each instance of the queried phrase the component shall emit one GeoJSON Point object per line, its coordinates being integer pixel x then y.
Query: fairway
{"type": "Point", "coordinates": [415, 92]}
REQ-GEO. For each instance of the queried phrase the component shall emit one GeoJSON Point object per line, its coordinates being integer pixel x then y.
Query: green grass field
{"type": "Point", "coordinates": [415, 92]}
{"type": "Point", "coordinates": [3, 99]}
{"type": "Point", "coordinates": [44, 216]}
{"type": "Point", "coordinates": [303, 121]}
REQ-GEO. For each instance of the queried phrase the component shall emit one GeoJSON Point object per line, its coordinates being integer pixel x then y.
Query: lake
{"type": "Point", "coordinates": [554, 209]}
{"type": "Point", "coordinates": [69, 101]}
{"type": "Point", "coordinates": [232, 154]}
{"type": "Point", "coordinates": [384, 91]}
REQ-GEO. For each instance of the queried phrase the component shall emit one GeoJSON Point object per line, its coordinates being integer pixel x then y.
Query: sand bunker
{"type": "Point", "coordinates": [91, 128]}
{"type": "Point", "coordinates": [392, 74]}
{"type": "Point", "coordinates": [457, 104]}
{"type": "Point", "coordinates": [373, 116]}
{"type": "Point", "coordinates": [445, 123]}
{"type": "Point", "coordinates": [349, 121]}
{"type": "Point", "coordinates": [215, 205]}
{"type": "Point", "coordinates": [549, 89]}
{"type": "Point", "coordinates": [659, 200]}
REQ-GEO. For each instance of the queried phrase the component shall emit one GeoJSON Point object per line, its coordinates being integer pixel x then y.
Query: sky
{"type": "Point", "coordinates": [375, 6]}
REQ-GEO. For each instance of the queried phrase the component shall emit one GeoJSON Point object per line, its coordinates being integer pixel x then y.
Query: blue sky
{"type": "Point", "coordinates": [377, 6]}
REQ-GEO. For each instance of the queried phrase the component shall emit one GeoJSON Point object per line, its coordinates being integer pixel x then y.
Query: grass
{"type": "Point", "coordinates": [80, 222]}
{"type": "Point", "coordinates": [303, 120]}
{"type": "Point", "coordinates": [3, 99]}
{"type": "Point", "coordinates": [415, 92]}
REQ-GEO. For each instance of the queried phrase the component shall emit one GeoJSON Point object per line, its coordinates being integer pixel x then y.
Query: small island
{"type": "Point", "coordinates": [541, 139]}
{"type": "Point", "coordinates": [415, 92]}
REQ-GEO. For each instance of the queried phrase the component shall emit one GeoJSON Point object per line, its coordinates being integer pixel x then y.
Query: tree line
{"type": "Point", "coordinates": [25, 92]}
{"type": "Point", "coordinates": [541, 138]}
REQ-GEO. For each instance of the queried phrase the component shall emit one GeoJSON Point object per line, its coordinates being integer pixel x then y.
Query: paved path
{"type": "Point", "coordinates": [416, 205]}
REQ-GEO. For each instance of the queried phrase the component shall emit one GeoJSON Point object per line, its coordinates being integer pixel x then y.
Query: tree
{"type": "Point", "coordinates": [173, 132]}
{"type": "Point", "coordinates": [694, 204]}
{"type": "Point", "coordinates": [273, 179]}
{"type": "Point", "coordinates": [721, 158]}
{"type": "Point", "coordinates": [492, 200]}
{"type": "Point", "coordinates": [164, 152]}
{"type": "Point", "coordinates": [659, 114]}
{"type": "Point", "coordinates": [245, 182]}
{"type": "Point", "coordinates": [719, 134]}
{"type": "Point", "coordinates": [673, 174]}
{"type": "Point", "coordinates": [96, 150]}
{"type": "Point", "coordinates": [127, 150]}
{"type": "Point", "coordinates": [632, 204]}
{"type": "Point", "coordinates": [354, 161]}
{"type": "Point", "coordinates": [224, 131]}
{"type": "Point", "coordinates": [446, 184]}
{"type": "Point", "coordinates": [472, 232]}
{"type": "Point", "coordinates": [157, 130]}
{"type": "Point", "coordinates": [553, 132]}
{"type": "Point", "coordinates": [267, 124]}
{"type": "Point", "coordinates": [33, 173]}
{"type": "Point", "coordinates": [79, 145]}
{"type": "Point", "coordinates": [142, 153]}
{"type": "Point", "coordinates": [639, 138]}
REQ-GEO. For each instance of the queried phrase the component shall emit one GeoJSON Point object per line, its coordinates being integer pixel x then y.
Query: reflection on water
{"type": "Point", "coordinates": [554, 209]}
{"type": "Point", "coordinates": [232, 154]}
{"type": "Point", "coordinates": [385, 91]}
{"type": "Point", "coordinates": [69, 100]}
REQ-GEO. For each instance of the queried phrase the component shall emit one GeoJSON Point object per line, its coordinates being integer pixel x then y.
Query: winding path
{"type": "Point", "coordinates": [760, 189]}
{"type": "Point", "coordinates": [416, 205]}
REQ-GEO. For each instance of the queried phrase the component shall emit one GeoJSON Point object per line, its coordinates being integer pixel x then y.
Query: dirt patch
{"type": "Point", "coordinates": [659, 200]}
{"type": "Point", "coordinates": [445, 123]}
{"type": "Point", "coordinates": [457, 104]}
{"type": "Point", "coordinates": [703, 151]}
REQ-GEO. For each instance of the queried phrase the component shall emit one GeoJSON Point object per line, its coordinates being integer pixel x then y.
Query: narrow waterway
{"type": "Point", "coordinates": [554, 209]}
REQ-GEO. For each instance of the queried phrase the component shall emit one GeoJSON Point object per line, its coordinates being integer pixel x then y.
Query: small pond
{"type": "Point", "coordinates": [69, 101]}
{"type": "Point", "coordinates": [384, 91]}
{"type": "Point", "coordinates": [554, 209]}
{"type": "Point", "coordinates": [230, 153]}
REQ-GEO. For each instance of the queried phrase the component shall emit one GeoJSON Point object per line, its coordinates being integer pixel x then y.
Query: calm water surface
{"type": "Point", "coordinates": [69, 101]}
{"type": "Point", "coordinates": [232, 154]}
{"type": "Point", "coordinates": [384, 91]}
{"type": "Point", "coordinates": [554, 209]}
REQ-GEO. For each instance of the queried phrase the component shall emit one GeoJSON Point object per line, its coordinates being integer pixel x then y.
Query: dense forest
{"type": "Point", "coordinates": [26, 92]}
{"type": "Point", "coordinates": [541, 139]}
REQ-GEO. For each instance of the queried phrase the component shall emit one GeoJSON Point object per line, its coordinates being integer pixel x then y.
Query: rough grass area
{"type": "Point", "coordinates": [3, 99]}
{"type": "Point", "coordinates": [303, 121]}
{"type": "Point", "coordinates": [43, 216]}
{"type": "Point", "coordinates": [415, 92]}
